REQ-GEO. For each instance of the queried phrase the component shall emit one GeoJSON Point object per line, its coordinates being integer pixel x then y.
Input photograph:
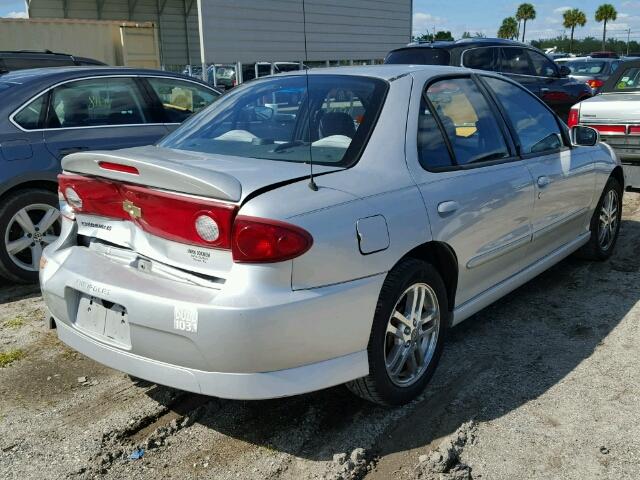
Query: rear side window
{"type": "Point", "coordinates": [181, 99]}
{"type": "Point", "coordinates": [97, 102]}
{"type": "Point", "coordinates": [432, 149]}
{"type": "Point", "coordinates": [31, 116]}
{"type": "Point", "coordinates": [536, 127]}
{"type": "Point", "coordinates": [516, 61]}
{"type": "Point", "coordinates": [419, 56]}
{"type": "Point", "coordinates": [468, 120]}
{"type": "Point", "coordinates": [485, 58]}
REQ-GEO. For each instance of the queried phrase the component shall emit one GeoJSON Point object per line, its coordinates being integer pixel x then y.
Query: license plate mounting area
{"type": "Point", "coordinates": [104, 320]}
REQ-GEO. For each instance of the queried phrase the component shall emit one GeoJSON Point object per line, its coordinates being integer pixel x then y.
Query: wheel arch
{"type": "Point", "coordinates": [444, 259]}
{"type": "Point", "coordinates": [48, 185]}
{"type": "Point", "coordinates": [618, 174]}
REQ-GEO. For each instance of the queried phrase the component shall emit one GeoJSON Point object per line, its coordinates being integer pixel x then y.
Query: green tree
{"type": "Point", "coordinates": [442, 35]}
{"type": "Point", "coordinates": [525, 12]}
{"type": "Point", "coordinates": [572, 19]}
{"type": "Point", "coordinates": [508, 29]}
{"type": "Point", "coordinates": [606, 13]}
{"type": "Point", "coordinates": [466, 35]}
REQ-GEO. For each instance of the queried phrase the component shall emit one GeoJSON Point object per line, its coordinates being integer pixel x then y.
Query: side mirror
{"type": "Point", "coordinates": [582, 136]}
{"type": "Point", "coordinates": [263, 113]}
{"type": "Point", "coordinates": [564, 71]}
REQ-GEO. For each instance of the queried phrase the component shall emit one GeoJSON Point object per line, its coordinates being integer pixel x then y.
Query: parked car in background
{"type": "Point", "coordinates": [593, 71]}
{"type": "Point", "coordinates": [615, 113]}
{"type": "Point", "coordinates": [437, 191]}
{"type": "Point", "coordinates": [48, 113]}
{"type": "Point", "coordinates": [522, 63]}
{"type": "Point", "coordinates": [226, 74]}
{"type": "Point", "coordinates": [20, 60]}
{"type": "Point", "coordinates": [604, 54]}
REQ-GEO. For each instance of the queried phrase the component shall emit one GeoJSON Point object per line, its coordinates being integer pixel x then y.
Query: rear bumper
{"type": "Point", "coordinates": [252, 341]}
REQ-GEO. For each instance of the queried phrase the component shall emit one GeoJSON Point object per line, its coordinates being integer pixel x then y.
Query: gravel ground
{"type": "Point", "coordinates": [544, 384]}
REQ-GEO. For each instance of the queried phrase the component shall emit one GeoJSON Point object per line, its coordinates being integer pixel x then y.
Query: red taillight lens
{"type": "Point", "coordinates": [611, 129]}
{"type": "Point", "coordinates": [634, 130]}
{"type": "Point", "coordinates": [167, 215]}
{"type": "Point", "coordinates": [595, 83]}
{"type": "Point", "coordinates": [574, 116]}
{"type": "Point", "coordinates": [257, 240]}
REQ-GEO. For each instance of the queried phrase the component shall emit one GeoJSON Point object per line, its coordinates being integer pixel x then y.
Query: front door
{"type": "Point", "coordinates": [103, 113]}
{"type": "Point", "coordinates": [478, 195]}
{"type": "Point", "coordinates": [564, 177]}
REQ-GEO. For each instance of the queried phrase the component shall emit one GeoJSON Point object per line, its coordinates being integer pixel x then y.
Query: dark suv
{"type": "Point", "coordinates": [20, 60]}
{"type": "Point", "coordinates": [520, 62]}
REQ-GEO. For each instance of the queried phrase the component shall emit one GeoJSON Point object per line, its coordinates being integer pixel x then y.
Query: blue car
{"type": "Point", "coordinates": [48, 113]}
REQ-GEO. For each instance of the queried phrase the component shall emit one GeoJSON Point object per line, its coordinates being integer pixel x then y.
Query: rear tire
{"type": "Point", "coordinates": [29, 220]}
{"type": "Point", "coordinates": [605, 224]}
{"type": "Point", "coordinates": [404, 332]}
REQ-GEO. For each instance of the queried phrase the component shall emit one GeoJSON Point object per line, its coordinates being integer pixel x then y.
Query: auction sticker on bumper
{"type": "Point", "coordinates": [185, 318]}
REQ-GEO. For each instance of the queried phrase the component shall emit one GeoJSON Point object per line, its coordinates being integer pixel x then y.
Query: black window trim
{"type": "Point", "coordinates": [566, 143]}
{"type": "Point", "coordinates": [513, 156]}
{"type": "Point", "coordinates": [91, 77]}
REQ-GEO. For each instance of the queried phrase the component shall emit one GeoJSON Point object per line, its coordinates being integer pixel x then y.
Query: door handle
{"type": "Point", "coordinates": [544, 90]}
{"type": "Point", "coordinates": [448, 207]}
{"type": "Point", "coordinates": [543, 181]}
{"type": "Point", "coordinates": [68, 150]}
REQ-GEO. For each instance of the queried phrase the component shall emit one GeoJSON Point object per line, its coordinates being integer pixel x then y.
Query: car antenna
{"type": "Point", "coordinates": [312, 183]}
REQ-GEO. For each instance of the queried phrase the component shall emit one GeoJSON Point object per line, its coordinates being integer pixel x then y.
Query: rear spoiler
{"type": "Point", "coordinates": [155, 172]}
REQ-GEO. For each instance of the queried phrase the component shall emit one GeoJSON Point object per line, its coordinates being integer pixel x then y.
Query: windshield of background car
{"type": "Point", "coordinates": [627, 81]}
{"type": "Point", "coordinates": [297, 118]}
{"type": "Point", "coordinates": [418, 56]}
{"type": "Point", "coordinates": [586, 68]}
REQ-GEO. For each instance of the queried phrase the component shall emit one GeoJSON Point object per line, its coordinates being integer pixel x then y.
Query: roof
{"type": "Point", "coordinates": [384, 72]}
{"type": "Point", "coordinates": [58, 74]}
{"type": "Point", "coordinates": [466, 42]}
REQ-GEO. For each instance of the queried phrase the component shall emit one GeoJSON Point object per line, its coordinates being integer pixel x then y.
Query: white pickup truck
{"type": "Point", "coordinates": [615, 113]}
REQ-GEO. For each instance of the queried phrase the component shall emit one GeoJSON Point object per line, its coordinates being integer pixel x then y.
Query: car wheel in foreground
{"type": "Point", "coordinates": [407, 336]}
{"type": "Point", "coordinates": [605, 223]}
{"type": "Point", "coordinates": [29, 221]}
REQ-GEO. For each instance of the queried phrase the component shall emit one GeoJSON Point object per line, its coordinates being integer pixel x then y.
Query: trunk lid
{"type": "Point", "coordinates": [618, 108]}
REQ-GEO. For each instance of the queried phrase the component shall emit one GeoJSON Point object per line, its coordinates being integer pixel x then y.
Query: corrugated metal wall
{"type": "Point", "coordinates": [168, 14]}
{"type": "Point", "coordinates": [250, 30]}
{"type": "Point", "coordinates": [255, 30]}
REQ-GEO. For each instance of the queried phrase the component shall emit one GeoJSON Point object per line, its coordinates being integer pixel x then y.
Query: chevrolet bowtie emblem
{"type": "Point", "coordinates": [131, 209]}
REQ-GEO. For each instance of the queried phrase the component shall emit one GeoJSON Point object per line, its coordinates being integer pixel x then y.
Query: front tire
{"type": "Point", "coordinates": [29, 220]}
{"type": "Point", "coordinates": [407, 335]}
{"type": "Point", "coordinates": [605, 223]}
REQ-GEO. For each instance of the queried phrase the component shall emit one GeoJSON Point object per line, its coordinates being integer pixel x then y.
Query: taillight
{"type": "Point", "coordinates": [634, 130]}
{"type": "Point", "coordinates": [167, 215]}
{"type": "Point", "coordinates": [118, 167]}
{"type": "Point", "coordinates": [595, 83]}
{"type": "Point", "coordinates": [257, 240]}
{"type": "Point", "coordinates": [574, 116]}
{"type": "Point", "coordinates": [611, 129]}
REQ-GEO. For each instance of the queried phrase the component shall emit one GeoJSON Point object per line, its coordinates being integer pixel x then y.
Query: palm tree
{"type": "Point", "coordinates": [525, 12]}
{"type": "Point", "coordinates": [572, 19]}
{"type": "Point", "coordinates": [508, 29]}
{"type": "Point", "coordinates": [605, 13]}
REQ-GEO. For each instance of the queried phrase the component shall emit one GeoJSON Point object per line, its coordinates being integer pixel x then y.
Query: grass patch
{"type": "Point", "coordinates": [7, 358]}
{"type": "Point", "coordinates": [15, 322]}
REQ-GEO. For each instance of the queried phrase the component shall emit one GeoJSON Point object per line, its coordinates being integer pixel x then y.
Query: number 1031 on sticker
{"type": "Point", "coordinates": [185, 318]}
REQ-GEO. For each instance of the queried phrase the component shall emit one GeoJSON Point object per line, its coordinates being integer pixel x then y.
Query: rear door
{"type": "Point", "coordinates": [564, 177]}
{"type": "Point", "coordinates": [478, 194]}
{"type": "Point", "coordinates": [102, 113]}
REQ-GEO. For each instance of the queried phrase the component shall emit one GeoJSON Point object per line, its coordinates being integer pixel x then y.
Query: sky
{"type": "Point", "coordinates": [485, 16]}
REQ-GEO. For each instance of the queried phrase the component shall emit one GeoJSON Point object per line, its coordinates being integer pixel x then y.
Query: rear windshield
{"type": "Point", "coordinates": [592, 68]}
{"type": "Point", "coordinates": [629, 80]}
{"type": "Point", "coordinates": [298, 118]}
{"type": "Point", "coordinates": [419, 56]}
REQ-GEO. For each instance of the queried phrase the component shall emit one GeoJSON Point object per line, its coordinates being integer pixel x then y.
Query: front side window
{"type": "Point", "coordinates": [485, 58]}
{"type": "Point", "coordinates": [97, 102]}
{"type": "Point", "coordinates": [181, 99]}
{"type": "Point", "coordinates": [542, 66]}
{"type": "Point", "coordinates": [468, 121]}
{"type": "Point", "coordinates": [326, 118]}
{"type": "Point", "coordinates": [536, 127]}
{"type": "Point", "coordinates": [31, 116]}
{"type": "Point", "coordinates": [516, 61]}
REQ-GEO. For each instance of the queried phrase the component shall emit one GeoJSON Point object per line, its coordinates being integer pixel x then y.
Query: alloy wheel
{"type": "Point", "coordinates": [608, 224]}
{"type": "Point", "coordinates": [412, 334]}
{"type": "Point", "coordinates": [28, 232]}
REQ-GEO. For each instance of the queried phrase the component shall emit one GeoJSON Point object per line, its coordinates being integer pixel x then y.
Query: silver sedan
{"type": "Point", "coordinates": [322, 227]}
